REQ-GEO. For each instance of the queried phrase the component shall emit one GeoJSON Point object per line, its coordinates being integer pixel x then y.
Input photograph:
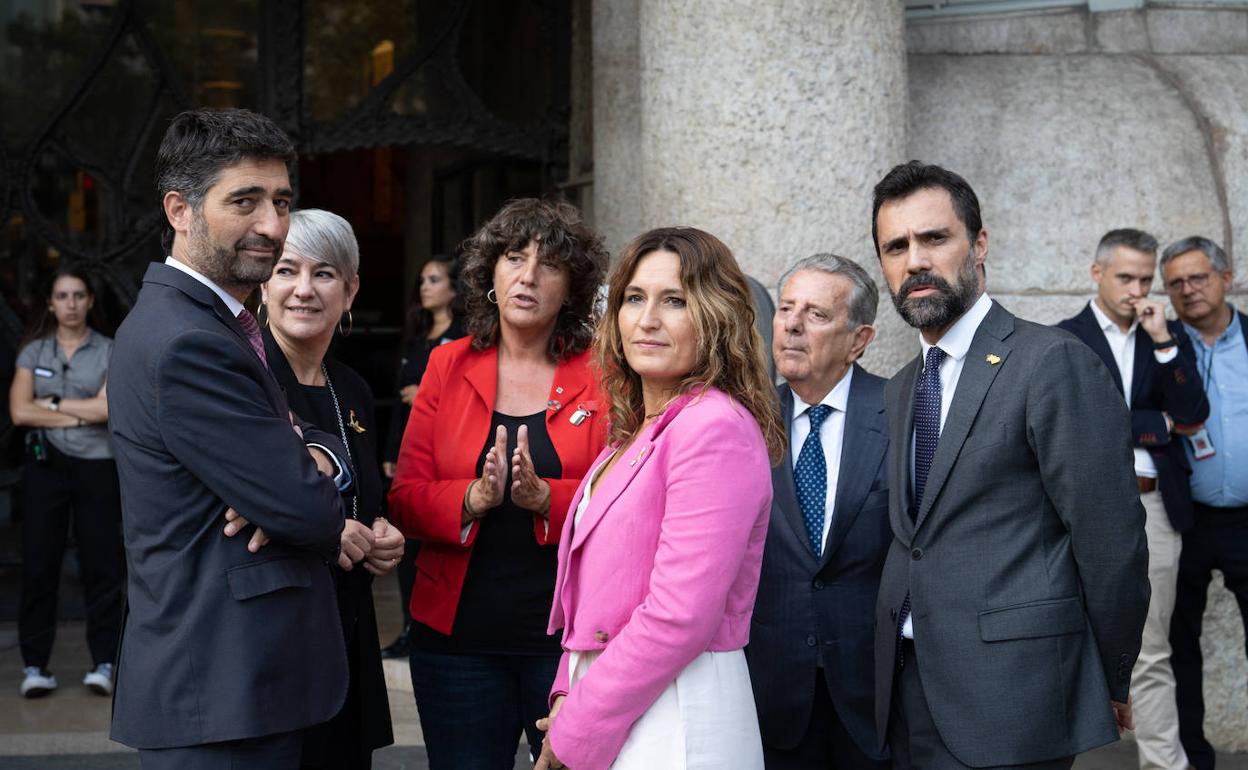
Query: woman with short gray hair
{"type": "Point", "coordinates": [306, 302]}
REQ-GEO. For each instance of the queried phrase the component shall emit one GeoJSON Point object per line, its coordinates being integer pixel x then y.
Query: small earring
{"type": "Point", "coordinates": [262, 314]}
{"type": "Point", "coordinates": [492, 296]}
{"type": "Point", "coordinates": [350, 325]}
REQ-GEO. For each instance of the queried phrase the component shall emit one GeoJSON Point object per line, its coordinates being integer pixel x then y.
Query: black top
{"type": "Point", "coordinates": [411, 370]}
{"type": "Point", "coordinates": [510, 584]}
{"type": "Point", "coordinates": [364, 722]}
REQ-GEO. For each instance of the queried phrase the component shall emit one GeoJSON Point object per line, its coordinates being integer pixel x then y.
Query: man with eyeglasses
{"type": "Point", "coordinates": [1197, 275]}
{"type": "Point", "coordinates": [1154, 368]}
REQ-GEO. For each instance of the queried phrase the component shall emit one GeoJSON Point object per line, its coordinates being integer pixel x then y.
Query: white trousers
{"type": "Point", "coordinates": [1152, 679]}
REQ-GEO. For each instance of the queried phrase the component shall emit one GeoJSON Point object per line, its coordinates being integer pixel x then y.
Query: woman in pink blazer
{"type": "Point", "coordinates": [660, 553]}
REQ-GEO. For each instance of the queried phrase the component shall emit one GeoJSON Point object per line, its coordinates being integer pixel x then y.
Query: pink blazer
{"type": "Point", "coordinates": [663, 567]}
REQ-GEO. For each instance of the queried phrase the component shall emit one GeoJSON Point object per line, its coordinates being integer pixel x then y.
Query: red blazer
{"type": "Point", "coordinates": [438, 459]}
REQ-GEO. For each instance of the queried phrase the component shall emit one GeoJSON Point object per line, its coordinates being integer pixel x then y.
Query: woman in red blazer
{"type": "Point", "coordinates": [503, 428]}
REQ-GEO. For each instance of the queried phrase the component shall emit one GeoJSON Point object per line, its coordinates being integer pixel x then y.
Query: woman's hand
{"type": "Point", "coordinates": [487, 492]}
{"type": "Point", "coordinates": [387, 548]}
{"type": "Point", "coordinates": [547, 759]}
{"type": "Point", "coordinates": [355, 544]}
{"type": "Point", "coordinates": [528, 490]}
{"type": "Point", "coordinates": [408, 393]}
{"type": "Point", "coordinates": [387, 469]}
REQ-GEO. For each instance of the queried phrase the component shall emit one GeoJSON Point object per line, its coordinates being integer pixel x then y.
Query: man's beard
{"type": "Point", "coordinates": [943, 308]}
{"type": "Point", "coordinates": [226, 267]}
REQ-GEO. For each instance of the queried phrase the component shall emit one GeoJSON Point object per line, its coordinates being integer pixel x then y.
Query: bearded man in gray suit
{"type": "Point", "coordinates": [1015, 589]}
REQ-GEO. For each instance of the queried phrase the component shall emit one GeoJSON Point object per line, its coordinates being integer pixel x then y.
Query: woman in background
{"type": "Point", "coordinates": [433, 319]}
{"type": "Point", "coordinates": [659, 563]}
{"type": "Point", "coordinates": [59, 392]}
{"type": "Point", "coordinates": [503, 428]}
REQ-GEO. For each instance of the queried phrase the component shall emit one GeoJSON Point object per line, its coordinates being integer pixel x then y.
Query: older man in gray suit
{"type": "Point", "coordinates": [1015, 590]}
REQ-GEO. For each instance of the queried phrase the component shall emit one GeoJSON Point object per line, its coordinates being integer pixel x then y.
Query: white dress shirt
{"type": "Point", "coordinates": [831, 433]}
{"type": "Point", "coordinates": [956, 343]}
{"type": "Point", "coordinates": [1122, 346]}
{"type": "Point", "coordinates": [234, 305]}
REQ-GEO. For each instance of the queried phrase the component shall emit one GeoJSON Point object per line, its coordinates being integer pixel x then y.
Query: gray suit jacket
{"type": "Point", "coordinates": [1027, 562]}
{"type": "Point", "coordinates": [820, 611]}
{"type": "Point", "coordinates": [219, 643]}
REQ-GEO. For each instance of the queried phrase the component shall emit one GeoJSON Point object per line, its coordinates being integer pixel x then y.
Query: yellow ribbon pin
{"type": "Point", "coordinates": [993, 359]}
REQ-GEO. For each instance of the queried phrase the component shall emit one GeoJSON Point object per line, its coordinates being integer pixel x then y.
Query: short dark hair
{"type": "Point", "coordinates": [561, 235]}
{"type": "Point", "coordinates": [1217, 257]}
{"type": "Point", "coordinates": [200, 144]}
{"type": "Point", "coordinates": [908, 178]}
{"type": "Point", "coordinates": [1125, 236]}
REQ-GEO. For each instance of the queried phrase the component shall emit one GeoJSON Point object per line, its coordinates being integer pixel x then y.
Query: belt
{"type": "Point", "coordinates": [1147, 484]}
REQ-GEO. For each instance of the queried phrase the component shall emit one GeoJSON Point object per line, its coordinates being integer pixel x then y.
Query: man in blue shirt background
{"type": "Point", "coordinates": [1197, 276]}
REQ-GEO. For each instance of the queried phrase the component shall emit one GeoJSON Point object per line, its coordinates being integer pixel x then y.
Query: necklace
{"type": "Point", "coordinates": [342, 432]}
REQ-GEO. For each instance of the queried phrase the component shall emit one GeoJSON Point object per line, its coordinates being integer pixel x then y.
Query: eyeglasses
{"type": "Point", "coordinates": [1197, 282]}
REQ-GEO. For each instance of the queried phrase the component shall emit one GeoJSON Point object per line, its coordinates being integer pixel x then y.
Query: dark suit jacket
{"type": "Point", "coordinates": [1026, 561]}
{"type": "Point", "coordinates": [219, 644]}
{"type": "Point", "coordinates": [369, 727]}
{"type": "Point", "coordinates": [813, 612]}
{"type": "Point", "coordinates": [1174, 387]}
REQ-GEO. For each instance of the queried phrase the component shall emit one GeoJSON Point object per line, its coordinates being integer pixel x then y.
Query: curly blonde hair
{"type": "Point", "coordinates": [730, 349]}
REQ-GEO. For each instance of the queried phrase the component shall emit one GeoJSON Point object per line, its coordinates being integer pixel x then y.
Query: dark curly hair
{"type": "Point", "coordinates": [561, 235]}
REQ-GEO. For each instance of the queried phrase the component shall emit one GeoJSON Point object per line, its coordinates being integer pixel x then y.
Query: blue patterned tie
{"type": "Point", "coordinates": [926, 421]}
{"type": "Point", "coordinates": [926, 435]}
{"type": "Point", "coordinates": [811, 476]}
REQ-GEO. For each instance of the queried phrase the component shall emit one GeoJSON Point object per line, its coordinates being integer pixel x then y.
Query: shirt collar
{"type": "Point", "coordinates": [1229, 334]}
{"type": "Point", "coordinates": [837, 398]}
{"type": "Point", "coordinates": [957, 340]}
{"type": "Point", "coordinates": [1107, 324]}
{"type": "Point", "coordinates": [234, 305]}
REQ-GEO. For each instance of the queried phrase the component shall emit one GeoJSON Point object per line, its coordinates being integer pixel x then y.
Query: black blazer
{"type": "Point", "coordinates": [370, 726]}
{"type": "Point", "coordinates": [219, 644]}
{"type": "Point", "coordinates": [812, 612]}
{"type": "Point", "coordinates": [1174, 388]}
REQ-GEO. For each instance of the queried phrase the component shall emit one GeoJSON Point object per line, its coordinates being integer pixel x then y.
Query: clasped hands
{"type": "Point", "coordinates": [528, 490]}
{"type": "Point", "coordinates": [379, 547]}
{"type": "Point", "coordinates": [547, 759]}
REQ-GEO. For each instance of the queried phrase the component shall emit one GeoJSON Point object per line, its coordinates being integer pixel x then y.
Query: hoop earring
{"type": "Point", "coordinates": [262, 314]}
{"type": "Point", "coordinates": [350, 325]}
{"type": "Point", "coordinates": [492, 296]}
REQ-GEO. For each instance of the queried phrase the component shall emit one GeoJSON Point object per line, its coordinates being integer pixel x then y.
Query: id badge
{"type": "Point", "coordinates": [43, 371]}
{"type": "Point", "coordinates": [1202, 445]}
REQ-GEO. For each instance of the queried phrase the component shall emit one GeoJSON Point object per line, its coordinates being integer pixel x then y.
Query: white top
{"type": "Point", "coordinates": [584, 504]}
{"type": "Point", "coordinates": [956, 343]}
{"type": "Point", "coordinates": [831, 434]}
{"type": "Point", "coordinates": [1122, 346]}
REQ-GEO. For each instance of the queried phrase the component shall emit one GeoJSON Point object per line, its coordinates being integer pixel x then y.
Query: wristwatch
{"type": "Point", "coordinates": [55, 403]}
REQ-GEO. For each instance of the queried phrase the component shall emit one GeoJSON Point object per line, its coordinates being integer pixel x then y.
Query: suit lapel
{"type": "Point", "coordinates": [1094, 336]}
{"type": "Point", "coordinates": [862, 444]}
{"type": "Point", "coordinates": [900, 472]}
{"type": "Point", "coordinates": [977, 376]}
{"type": "Point", "coordinates": [784, 489]}
{"type": "Point", "coordinates": [1142, 367]}
{"type": "Point", "coordinates": [482, 375]}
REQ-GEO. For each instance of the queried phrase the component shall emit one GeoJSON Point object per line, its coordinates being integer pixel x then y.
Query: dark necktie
{"type": "Point", "coordinates": [252, 330]}
{"type": "Point", "coordinates": [926, 435]}
{"type": "Point", "coordinates": [811, 477]}
{"type": "Point", "coordinates": [926, 421]}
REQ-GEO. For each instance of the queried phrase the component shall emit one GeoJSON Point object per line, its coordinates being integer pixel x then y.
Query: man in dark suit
{"type": "Point", "coordinates": [1154, 369]}
{"type": "Point", "coordinates": [1198, 276]}
{"type": "Point", "coordinates": [227, 651]}
{"type": "Point", "coordinates": [811, 642]}
{"type": "Point", "coordinates": [1016, 585]}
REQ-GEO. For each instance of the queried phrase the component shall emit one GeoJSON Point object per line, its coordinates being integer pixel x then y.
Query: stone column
{"type": "Point", "coordinates": [766, 124]}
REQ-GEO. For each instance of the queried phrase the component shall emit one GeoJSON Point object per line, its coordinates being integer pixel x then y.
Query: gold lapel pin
{"type": "Point", "coordinates": [993, 358]}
